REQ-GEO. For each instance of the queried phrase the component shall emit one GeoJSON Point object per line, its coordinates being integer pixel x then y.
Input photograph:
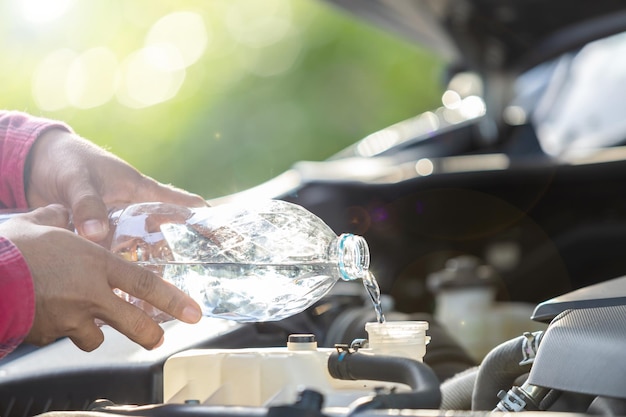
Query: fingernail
{"type": "Point", "coordinates": [94, 228]}
{"type": "Point", "coordinates": [191, 315]}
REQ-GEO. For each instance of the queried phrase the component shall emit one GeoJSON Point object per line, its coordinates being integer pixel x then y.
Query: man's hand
{"type": "Point", "coordinates": [74, 281]}
{"type": "Point", "coordinates": [69, 170]}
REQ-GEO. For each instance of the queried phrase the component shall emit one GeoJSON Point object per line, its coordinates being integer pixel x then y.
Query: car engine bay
{"type": "Point", "coordinates": [509, 245]}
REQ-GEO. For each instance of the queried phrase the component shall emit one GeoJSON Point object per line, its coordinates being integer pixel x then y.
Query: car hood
{"type": "Point", "coordinates": [495, 35]}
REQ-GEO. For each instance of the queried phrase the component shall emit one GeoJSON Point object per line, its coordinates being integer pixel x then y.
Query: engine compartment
{"type": "Point", "coordinates": [572, 366]}
{"type": "Point", "coordinates": [452, 199]}
{"type": "Point", "coordinates": [542, 226]}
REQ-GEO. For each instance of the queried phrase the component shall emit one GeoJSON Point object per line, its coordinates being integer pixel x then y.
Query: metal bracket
{"type": "Point", "coordinates": [530, 346]}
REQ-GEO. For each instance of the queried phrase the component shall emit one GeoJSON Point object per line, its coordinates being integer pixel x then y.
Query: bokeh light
{"type": "Point", "coordinates": [148, 78]}
{"type": "Point", "coordinates": [40, 11]}
{"type": "Point", "coordinates": [257, 24]}
{"type": "Point", "coordinates": [92, 78]}
{"type": "Point", "coordinates": [183, 35]}
{"type": "Point", "coordinates": [214, 96]}
{"type": "Point", "coordinates": [50, 78]}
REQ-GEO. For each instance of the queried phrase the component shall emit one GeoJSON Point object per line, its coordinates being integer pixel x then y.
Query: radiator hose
{"type": "Point", "coordinates": [425, 394]}
{"type": "Point", "coordinates": [456, 392]}
{"type": "Point", "coordinates": [501, 367]}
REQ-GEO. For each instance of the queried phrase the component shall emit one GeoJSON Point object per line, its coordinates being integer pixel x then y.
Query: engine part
{"type": "Point", "coordinates": [501, 367]}
{"type": "Point", "coordinates": [349, 365]}
{"type": "Point", "coordinates": [456, 392]}
{"type": "Point", "coordinates": [444, 354]}
{"type": "Point", "coordinates": [604, 294]}
{"type": "Point", "coordinates": [582, 351]}
{"type": "Point", "coordinates": [465, 298]}
{"type": "Point", "coordinates": [525, 398]}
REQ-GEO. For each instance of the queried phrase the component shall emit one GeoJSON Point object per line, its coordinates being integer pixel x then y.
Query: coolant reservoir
{"type": "Point", "coordinates": [257, 377]}
{"type": "Point", "coordinates": [400, 338]}
{"type": "Point", "coordinates": [465, 304]}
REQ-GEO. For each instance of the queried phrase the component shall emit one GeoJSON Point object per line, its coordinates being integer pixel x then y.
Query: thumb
{"type": "Point", "coordinates": [90, 217]}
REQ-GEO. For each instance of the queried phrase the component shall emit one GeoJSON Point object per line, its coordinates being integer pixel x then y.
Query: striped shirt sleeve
{"type": "Point", "coordinates": [17, 299]}
{"type": "Point", "coordinates": [18, 132]}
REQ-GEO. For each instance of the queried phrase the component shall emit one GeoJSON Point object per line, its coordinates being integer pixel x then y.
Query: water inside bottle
{"type": "Point", "coordinates": [228, 285]}
{"type": "Point", "coordinates": [250, 292]}
{"type": "Point", "coordinates": [241, 292]}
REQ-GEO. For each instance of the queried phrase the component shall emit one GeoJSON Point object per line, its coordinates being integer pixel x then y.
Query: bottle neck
{"type": "Point", "coordinates": [353, 256]}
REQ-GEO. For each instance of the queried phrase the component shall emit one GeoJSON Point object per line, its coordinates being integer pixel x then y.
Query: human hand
{"type": "Point", "coordinates": [74, 281]}
{"type": "Point", "coordinates": [66, 169]}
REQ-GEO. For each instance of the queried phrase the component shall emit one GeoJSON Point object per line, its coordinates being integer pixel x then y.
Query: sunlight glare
{"type": "Point", "coordinates": [424, 167]}
{"type": "Point", "coordinates": [451, 99]}
{"type": "Point", "coordinates": [50, 80]}
{"type": "Point", "coordinates": [259, 24]}
{"type": "Point", "coordinates": [39, 11]}
{"type": "Point", "coordinates": [145, 82]}
{"type": "Point", "coordinates": [92, 78]}
{"type": "Point", "coordinates": [472, 107]}
{"type": "Point", "coordinates": [184, 31]}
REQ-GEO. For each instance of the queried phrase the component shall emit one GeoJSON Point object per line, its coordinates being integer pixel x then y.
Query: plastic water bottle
{"type": "Point", "coordinates": [245, 262]}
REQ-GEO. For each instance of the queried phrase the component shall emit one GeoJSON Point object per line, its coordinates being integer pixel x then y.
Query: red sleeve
{"type": "Point", "coordinates": [18, 132]}
{"type": "Point", "coordinates": [17, 298]}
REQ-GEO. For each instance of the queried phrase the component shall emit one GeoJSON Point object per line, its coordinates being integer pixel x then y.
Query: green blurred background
{"type": "Point", "coordinates": [214, 96]}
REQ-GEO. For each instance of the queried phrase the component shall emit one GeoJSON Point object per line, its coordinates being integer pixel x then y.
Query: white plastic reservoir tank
{"type": "Point", "coordinates": [272, 376]}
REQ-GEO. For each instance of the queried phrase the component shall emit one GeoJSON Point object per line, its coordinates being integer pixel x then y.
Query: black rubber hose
{"type": "Point", "coordinates": [605, 406]}
{"type": "Point", "coordinates": [417, 375]}
{"type": "Point", "coordinates": [456, 392]}
{"type": "Point", "coordinates": [308, 404]}
{"type": "Point", "coordinates": [498, 371]}
{"type": "Point", "coordinates": [179, 410]}
{"type": "Point", "coordinates": [444, 355]}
